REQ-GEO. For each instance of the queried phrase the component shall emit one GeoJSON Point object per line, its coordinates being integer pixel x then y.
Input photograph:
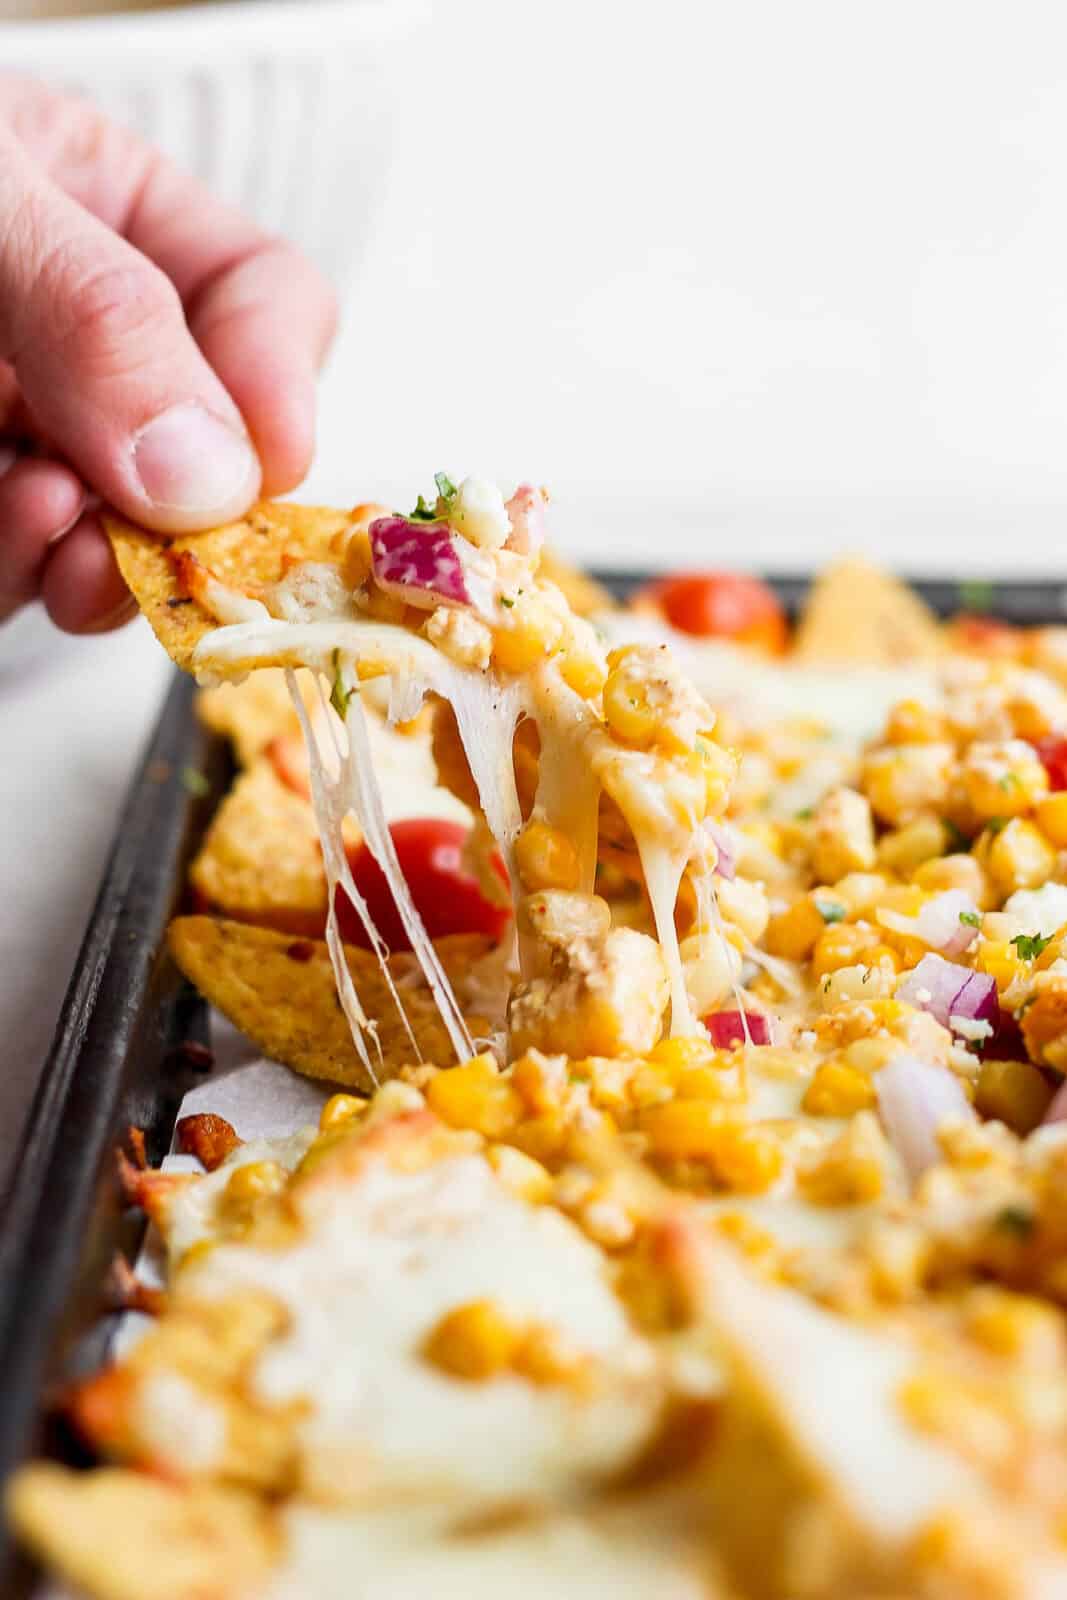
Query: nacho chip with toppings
{"type": "Point", "coordinates": [280, 992]}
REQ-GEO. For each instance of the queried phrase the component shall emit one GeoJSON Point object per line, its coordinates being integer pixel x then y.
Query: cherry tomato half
{"type": "Point", "coordinates": [446, 892]}
{"type": "Point", "coordinates": [1053, 752]}
{"type": "Point", "coordinates": [985, 636]}
{"type": "Point", "coordinates": [724, 605]}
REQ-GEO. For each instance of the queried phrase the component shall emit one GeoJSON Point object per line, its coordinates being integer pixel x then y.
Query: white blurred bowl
{"type": "Point", "coordinates": [284, 107]}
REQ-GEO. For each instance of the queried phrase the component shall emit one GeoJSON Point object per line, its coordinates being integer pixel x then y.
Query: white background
{"type": "Point", "coordinates": [743, 282]}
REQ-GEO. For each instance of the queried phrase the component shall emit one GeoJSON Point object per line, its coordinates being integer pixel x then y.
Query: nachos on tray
{"type": "Point", "coordinates": [690, 1218]}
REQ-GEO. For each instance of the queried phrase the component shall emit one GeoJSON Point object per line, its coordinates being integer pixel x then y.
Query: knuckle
{"type": "Point", "coordinates": [111, 318]}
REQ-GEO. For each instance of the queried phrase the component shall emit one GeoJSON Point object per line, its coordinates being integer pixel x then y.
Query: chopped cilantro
{"type": "Point", "coordinates": [976, 595]}
{"type": "Point", "coordinates": [445, 487]}
{"type": "Point", "coordinates": [339, 695]}
{"type": "Point", "coordinates": [1008, 782]}
{"type": "Point", "coordinates": [971, 919]}
{"type": "Point", "coordinates": [194, 782]}
{"type": "Point", "coordinates": [1013, 1219]}
{"type": "Point", "coordinates": [997, 824]}
{"type": "Point", "coordinates": [506, 601]}
{"type": "Point", "coordinates": [1030, 945]}
{"type": "Point", "coordinates": [831, 910]}
{"type": "Point", "coordinates": [805, 814]}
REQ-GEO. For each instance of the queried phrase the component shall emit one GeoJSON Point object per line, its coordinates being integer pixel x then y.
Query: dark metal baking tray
{"type": "Point", "coordinates": [120, 1057]}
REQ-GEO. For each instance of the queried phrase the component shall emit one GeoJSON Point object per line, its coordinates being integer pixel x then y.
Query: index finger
{"type": "Point", "coordinates": [260, 311]}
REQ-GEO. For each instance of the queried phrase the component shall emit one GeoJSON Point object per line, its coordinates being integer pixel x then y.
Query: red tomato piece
{"type": "Point", "coordinates": [985, 636]}
{"type": "Point", "coordinates": [1053, 752]}
{"type": "Point", "coordinates": [724, 605]}
{"type": "Point", "coordinates": [288, 755]}
{"type": "Point", "coordinates": [727, 1028]}
{"type": "Point", "coordinates": [446, 892]}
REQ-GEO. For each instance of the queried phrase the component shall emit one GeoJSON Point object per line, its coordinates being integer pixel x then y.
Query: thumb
{"type": "Point", "coordinates": [107, 366]}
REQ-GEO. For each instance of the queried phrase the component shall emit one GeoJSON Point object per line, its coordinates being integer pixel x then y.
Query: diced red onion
{"type": "Point", "coordinates": [1057, 1111]}
{"type": "Point", "coordinates": [725, 844]}
{"type": "Point", "coordinates": [526, 513]}
{"type": "Point", "coordinates": [727, 1028]}
{"type": "Point", "coordinates": [946, 990]}
{"type": "Point", "coordinates": [915, 1099]}
{"type": "Point", "coordinates": [418, 562]}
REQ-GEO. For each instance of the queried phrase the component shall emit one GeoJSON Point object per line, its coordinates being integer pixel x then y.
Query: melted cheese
{"type": "Point", "coordinates": [380, 1264]}
{"type": "Point", "coordinates": [646, 1551]}
{"type": "Point", "coordinates": [576, 758]}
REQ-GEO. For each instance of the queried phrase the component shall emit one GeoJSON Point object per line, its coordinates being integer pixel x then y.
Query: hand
{"type": "Point", "coordinates": [156, 351]}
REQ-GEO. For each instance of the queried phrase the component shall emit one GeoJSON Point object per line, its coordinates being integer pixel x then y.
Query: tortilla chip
{"type": "Point", "coordinates": [281, 993]}
{"type": "Point", "coordinates": [856, 613]}
{"type": "Point", "coordinates": [261, 860]}
{"type": "Point", "coordinates": [243, 553]}
{"type": "Point", "coordinates": [252, 713]}
{"type": "Point", "coordinates": [583, 594]}
{"type": "Point", "coordinates": [125, 1536]}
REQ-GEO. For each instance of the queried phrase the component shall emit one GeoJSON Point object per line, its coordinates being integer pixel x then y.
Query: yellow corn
{"type": "Point", "coordinates": [838, 1090]}
{"type": "Point", "coordinates": [531, 633]}
{"type": "Point", "coordinates": [904, 849]}
{"type": "Point", "coordinates": [473, 1097]}
{"type": "Point", "coordinates": [520, 1174]}
{"type": "Point", "coordinates": [743, 1158]}
{"type": "Point", "coordinates": [546, 858]}
{"type": "Point", "coordinates": [339, 1108]}
{"type": "Point", "coordinates": [1014, 1092]}
{"type": "Point", "coordinates": [544, 1358]}
{"type": "Point", "coordinates": [676, 1054]}
{"type": "Point", "coordinates": [842, 944]}
{"type": "Point", "coordinates": [1050, 815]}
{"type": "Point", "coordinates": [1017, 1325]}
{"type": "Point", "coordinates": [1002, 780]}
{"type": "Point", "coordinates": [540, 1080]}
{"type": "Point", "coordinates": [256, 1180]}
{"type": "Point", "coordinates": [910, 722]}
{"type": "Point", "coordinates": [1018, 857]}
{"type": "Point", "coordinates": [793, 933]}
{"type": "Point", "coordinates": [582, 671]}
{"type": "Point", "coordinates": [475, 1341]}
{"type": "Point", "coordinates": [906, 780]}
{"type": "Point", "coordinates": [1001, 961]}
{"type": "Point", "coordinates": [628, 709]}
{"type": "Point", "coordinates": [720, 769]}
{"type": "Point", "coordinates": [957, 872]}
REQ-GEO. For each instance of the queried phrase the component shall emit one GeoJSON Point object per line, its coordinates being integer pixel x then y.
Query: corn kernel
{"type": "Point", "coordinates": [540, 1080]}
{"type": "Point", "coordinates": [1016, 1325]}
{"type": "Point", "coordinates": [545, 1359]}
{"type": "Point", "coordinates": [546, 858]}
{"type": "Point", "coordinates": [959, 871]}
{"type": "Point", "coordinates": [904, 849]}
{"type": "Point", "coordinates": [1001, 961]}
{"type": "Point", "coordinates": [531, 634]}
{"type": "Point", "coordinates": [582, 672]}
{"type": "Point", "coordinates": [793, 933]}
{"type": "Point", "coordinates": [837, 1090]}
{"type": "Point", "coordinates": [910, 722]}
{"type": "Point", "coordinates": [743, 1158]}
{"type": "Point", "coordinates": [1002, 780]}
{"type": "Point", "coordinates": [256, 1180]}
{"type": "Point", "coordinates": [471, 1097]}
{"type": "Point", "coordinates": [1050, 815]}
{"type": "Point", "coordinates": [339, 1108]}
{"type": "Point", "coordinates": [520, 1174]}
{"type": "Point", "coordinates": [1018, 857]}
{"type": "Point", "coordinates": [475, 1341]}
{"type": "Point", "coordinates": [906, 780]}
{"type": "Point", "coordinates": [843, 835]}
{"type": "Point", "coordinates": [676, 1054]}
{"type": "Point", "coordinates": [1013, 1092]}
{"type": "Point", "coordinates": [627, 709]}
{"type": "Point", "coordinates": [842, 944]}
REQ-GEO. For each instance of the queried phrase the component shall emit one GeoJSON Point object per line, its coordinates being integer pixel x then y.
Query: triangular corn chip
{"type": "Point", "coordinates": [281, 993]}
{"type": "Point", "coordinates": [244, 554]}
{"type": "Point", "coordinates": [857, 612]}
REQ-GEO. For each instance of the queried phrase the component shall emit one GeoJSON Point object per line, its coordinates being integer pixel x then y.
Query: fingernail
{"type": "Point", "coordinates": [192, 464]}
